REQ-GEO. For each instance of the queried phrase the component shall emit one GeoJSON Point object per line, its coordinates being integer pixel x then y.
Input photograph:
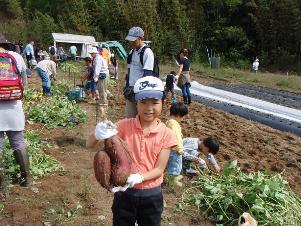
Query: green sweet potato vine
{"type": "Point", "coordinates": [53, 111]}
{"type": "Point", "coordinates": [224, 198]}
{"type": "Point", "coordinates": [40, 163]}
{"type": "Point", "coordinates": [68, 67]}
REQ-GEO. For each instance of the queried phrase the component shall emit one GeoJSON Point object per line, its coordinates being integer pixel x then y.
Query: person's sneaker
{"type": "Point", "coordinates": [192, 172]}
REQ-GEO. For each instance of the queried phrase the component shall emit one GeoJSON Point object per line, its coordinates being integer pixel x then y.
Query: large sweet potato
{"type": "Point", "coordinates": [102, 168]}
{"type": "Point", "coordinates": [121, 159]}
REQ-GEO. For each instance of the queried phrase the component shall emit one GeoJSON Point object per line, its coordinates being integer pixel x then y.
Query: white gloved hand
{"type": "Point", "coordinates": [105, 130]}
{"type": "Point", "coordinates": [95, 78]}
{"type": "Point", "coordinates": [202, 163]}
{"type": "Point", "coordinates": [134, 179]}
{"type": "Point", "coordinates": [119, 188]}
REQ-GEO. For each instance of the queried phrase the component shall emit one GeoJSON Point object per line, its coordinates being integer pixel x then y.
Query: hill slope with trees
{"type": "Point", "coordinates": [238, 30]}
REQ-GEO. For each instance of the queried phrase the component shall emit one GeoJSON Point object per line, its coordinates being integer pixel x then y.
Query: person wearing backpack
{"type": "Point", "coordinates": [140, 64]}
{"type": "Point", "coordinates": [12, 118]}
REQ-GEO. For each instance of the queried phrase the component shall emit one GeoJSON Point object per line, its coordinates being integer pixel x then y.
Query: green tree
{"type": "Point", "coordinates": [10, 9]}
{"type": "Point", "coordinates": [42, 27]}
{"type": "Point", "coordinates": [175, 26]}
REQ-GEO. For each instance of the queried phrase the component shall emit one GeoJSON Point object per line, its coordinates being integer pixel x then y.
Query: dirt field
{"type": "Point", "coordinates": [257, 147]}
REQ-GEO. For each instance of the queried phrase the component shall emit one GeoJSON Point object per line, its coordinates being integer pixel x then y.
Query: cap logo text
{"type": "Point", "coordinates": [145, 84]}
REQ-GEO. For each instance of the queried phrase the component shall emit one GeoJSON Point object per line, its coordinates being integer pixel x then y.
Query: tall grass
{"type": "Point", "coordinates": [278, 81]}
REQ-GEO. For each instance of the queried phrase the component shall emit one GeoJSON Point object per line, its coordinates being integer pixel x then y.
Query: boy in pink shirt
{"type": "Point", "coordinates": [150, 142]}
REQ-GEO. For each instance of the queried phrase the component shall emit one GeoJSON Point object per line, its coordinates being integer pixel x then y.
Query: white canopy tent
{"type": "Point", "coordinates": [86, 41]}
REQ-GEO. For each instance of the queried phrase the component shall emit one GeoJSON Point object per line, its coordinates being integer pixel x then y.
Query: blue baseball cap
{"type": "Point", "coordinates": [134, 33]}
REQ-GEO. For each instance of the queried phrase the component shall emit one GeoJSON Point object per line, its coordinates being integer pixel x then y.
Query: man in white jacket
{"type": "Point", "coordinates": [101, 72]}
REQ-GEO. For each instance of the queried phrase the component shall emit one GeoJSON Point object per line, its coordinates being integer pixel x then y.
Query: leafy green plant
{"type": "Point", "coordinates": [60, 88]}
{"type": "Point", "coordinates": [224, 198]}
{"type": "Point", "coordinates": [53, 111]}
{"type": "Point", "coordinates": [65, 213]}
{"type": "Point", "coordinates": [40, 163]}
{"type": "Point", "coordinates": [3, 214]}
{"type": "Point", "coordinates": [112, 83]}
{"type": "Point", "coordinates": [66, 67]}
{"type": "Point", "coordinates": [56, 111]}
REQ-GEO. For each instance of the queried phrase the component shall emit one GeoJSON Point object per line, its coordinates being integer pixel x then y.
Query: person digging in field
{"type": "Point", "coordinates": [149, 142]}
{"type": "Point", "coordinates": [183, 76]}
{"type": "Point", "coordinates": [46, 69]}
{"type": "Point", "coordinates": [12, 122]}
{"type": "Point", "coordinates": [101, 72]}
{"type": "Point", "coordinates": [136, 70]}
{"type": "Point", "coordinates": [169, 85]}
{"type": "Point", "coordinates": [193, 147]}
{"type": "Point", "coordinates": [174, 166]}
{"type": "Point", "coordinates": [90, 86]}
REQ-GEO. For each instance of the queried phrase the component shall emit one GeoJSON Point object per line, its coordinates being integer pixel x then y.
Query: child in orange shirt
{"type": "Point", "coordinates": [150, 142]}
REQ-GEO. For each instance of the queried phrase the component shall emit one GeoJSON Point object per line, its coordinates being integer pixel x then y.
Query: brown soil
{"type": "Point", "coordinates": [256, 146]}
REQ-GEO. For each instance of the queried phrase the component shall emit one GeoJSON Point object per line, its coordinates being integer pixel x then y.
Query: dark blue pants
{"type": "Point", "coordinates": [186, 90]}
{"type": "Point", "coordinates": [128, 208]}
{"type": "Point", "coordinates": [46, 83]}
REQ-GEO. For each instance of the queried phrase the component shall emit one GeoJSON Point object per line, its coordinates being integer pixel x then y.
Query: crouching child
{"type": "Point", "coordinates": [194, 147]}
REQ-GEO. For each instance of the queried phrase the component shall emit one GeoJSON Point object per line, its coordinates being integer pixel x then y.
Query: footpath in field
{"type": "Point", "coordinates": [73, 196]}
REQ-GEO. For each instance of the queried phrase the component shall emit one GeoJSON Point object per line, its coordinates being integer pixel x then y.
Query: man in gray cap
{"type": "Point", "coordinates": [140, 63]}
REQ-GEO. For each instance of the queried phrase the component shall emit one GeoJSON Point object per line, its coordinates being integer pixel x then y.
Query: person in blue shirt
{"type": "Point", "coordinates": [183, 76]}
{"type": "Point", "coordinates": [29, 52]}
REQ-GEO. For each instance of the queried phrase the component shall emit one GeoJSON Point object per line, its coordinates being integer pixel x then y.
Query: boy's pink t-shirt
{"type": "Point", "coordinates": [145, 149]}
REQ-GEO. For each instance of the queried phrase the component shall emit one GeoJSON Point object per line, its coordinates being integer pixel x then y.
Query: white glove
{"type": "Point", "coordinates": [95, 78]}
{"type": "Point", "coordinates": [105, 130]}
{"type": "Point", "coordinates": [119, 188]}
{"type": "Point", "coordinates": [202, 163]}
{"type": "Point", "coordinates": [134, 179]}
